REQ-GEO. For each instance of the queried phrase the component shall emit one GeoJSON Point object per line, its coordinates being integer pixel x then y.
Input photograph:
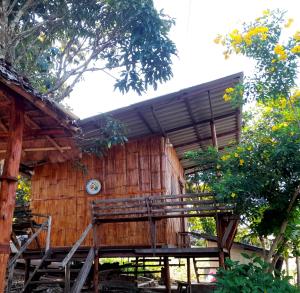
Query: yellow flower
{"type": "Point", "coordinates": [274, 60]}
{"type": "Point", "coordinates": [297, 36]}
{"type": "Point", "coordinates": [236, 155]}
{"type": "Point", "coordinates": [249, 148]}
{"type": "Point", "coordinates": [280, 51]}
{"type": "Point", "coordinates": [218, 39]}
{"type": "Point", "coordinates": [295, 95]}
{"type": "Point", "coordinates": [248, 40]}
{"type": "Point", "coordinates": [42, 37]}
{"type": "Point", "coordinates": [226, 98]}
{"type": "Point", "coordinates": [296, 49]}
{"type": "Point", "coordinates": [226, 55]}
{"type": "Point", "coordinates": [275, 127]}
{"type": "Point", "coordinates": [229, 90]}
{"type": "Point", "coordinates": [225, 157]}
{"type": "Point", "coordinates": [282, 102]}
{"type": "Point", "coordinates": [236, 37]}
{"type": "Point", "coordinates": [242, 162]}
{"type": "Point", "coordinates": [289, 23]}
{"type": "Point", "coordinates": [266, 12]}
{"type": "Point", "coordinates": [233, 195]}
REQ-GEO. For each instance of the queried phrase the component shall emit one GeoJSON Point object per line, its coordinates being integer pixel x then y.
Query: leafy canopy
{"type": "Point", "coordinates": [55, 42]}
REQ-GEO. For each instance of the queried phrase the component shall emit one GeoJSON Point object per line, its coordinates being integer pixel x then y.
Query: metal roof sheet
{"type": "Point", "coordinates": [184, 117]}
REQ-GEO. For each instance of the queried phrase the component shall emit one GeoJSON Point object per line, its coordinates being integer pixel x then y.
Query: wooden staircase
{"type": "Point", "coordinates": [68, 269]}
{"type": "Point", "coordinates": [71, 272]}
{"type": "Point", "coordinates": [51, 272]}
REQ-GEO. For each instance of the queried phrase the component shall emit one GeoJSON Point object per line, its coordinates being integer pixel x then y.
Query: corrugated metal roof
{"type": "Point", "coordinates": [184, 117]}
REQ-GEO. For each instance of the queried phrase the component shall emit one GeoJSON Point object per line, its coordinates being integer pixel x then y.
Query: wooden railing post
{"type": "Point", "coordinates": [96, 271]}
{"type": "Point", "coordinates": [67, 278]}
{"type": "Point", "coordinates": [48, 238]}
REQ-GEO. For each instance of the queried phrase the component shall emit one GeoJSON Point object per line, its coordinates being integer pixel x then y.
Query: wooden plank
{"type": "Point", "coordinates": [42, 149]}
{"type": "Point", "coordinates": [159, 197]}
{"type": "Point", "coordinates": [8, 187]}
{"type": "Point", "coordinates": [81, 278]}
{"type": "Point", "coordinates": [76, 245]}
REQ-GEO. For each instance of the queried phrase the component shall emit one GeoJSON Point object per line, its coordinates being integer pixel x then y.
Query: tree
{"type": "Point", "coordinates": [262, 174]}
{"type": "Point", "coordinates": [53, 43]}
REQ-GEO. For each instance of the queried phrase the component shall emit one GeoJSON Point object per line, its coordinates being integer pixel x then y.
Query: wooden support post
{"type": "Point", "coordinates": [96, 271]}
{"type": "Point", "coordinates": [9, 183]}
{"type": "Point", "coordinates": [136, 268]}
{"type": "Point", "coordinates": [67, 278]}
{"type": "Point", "coordinates": [188, 263]}
{"type": "Point", "coordinates": [27, 270]}
{"type": "Point", "coordinates": [221, 226]}
{"type": "Point", "coordinates": [167, 275]}
{"type": "Point", "coordinates": [214, 134]}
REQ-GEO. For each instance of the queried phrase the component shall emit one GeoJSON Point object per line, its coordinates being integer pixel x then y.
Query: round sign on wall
{"type": "Point", "coordinates": [93, 186]}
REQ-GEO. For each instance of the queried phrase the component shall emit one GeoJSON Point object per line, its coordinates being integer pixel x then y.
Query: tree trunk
{"type": "Point", "coordinates": [279, 237]}
{"type": "Point", "coordinates": [298, 270]}
{"type": "Point", "coordinates": [9, 184]}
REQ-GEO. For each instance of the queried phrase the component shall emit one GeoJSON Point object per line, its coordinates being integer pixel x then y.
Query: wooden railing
{"type": "Point", "coordinates": [145, 208]}
{"type": "Point", "coordinates": [45, 226]}
{"type": "Point", "coordinates": [66, 263]}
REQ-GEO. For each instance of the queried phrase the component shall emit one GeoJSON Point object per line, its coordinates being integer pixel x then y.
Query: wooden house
{"type": "Point", "coordinates": [39, 137]}
{"type": "Point", "coordinates": [152, 163]}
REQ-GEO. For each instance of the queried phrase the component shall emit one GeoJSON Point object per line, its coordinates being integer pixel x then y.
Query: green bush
{"type": "Point", "coordinates": [251, 278]}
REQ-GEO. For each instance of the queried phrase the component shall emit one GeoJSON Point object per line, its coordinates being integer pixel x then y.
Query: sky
{"type": "Point", "coordinates": [199, 59]}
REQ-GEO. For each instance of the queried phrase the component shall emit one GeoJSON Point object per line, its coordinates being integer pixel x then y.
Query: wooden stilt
{"type": "Point", "coordinates": [27, 270]}
{"type": "Point", "coordinates": [167, 275]}
{"type": "Point", "coordinates": [136, 268]}
{"type": "Point", "coordinates": [188, 264]}
{"type": "Point", "coordinates": [67, 278]}
{"type": "Point", "coordinates": [96, 271]}
{"type": "Point", "coordinates": [9, 183]}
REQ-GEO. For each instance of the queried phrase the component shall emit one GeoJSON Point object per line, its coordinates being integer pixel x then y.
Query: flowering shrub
{"type": "Point", "coordinates": [262, 174]}
{"type": "Point", "coordinates": [276, 61]}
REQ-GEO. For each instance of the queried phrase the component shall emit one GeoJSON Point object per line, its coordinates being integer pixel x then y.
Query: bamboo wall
{"type": "Point", "coordinates": [141, 167]}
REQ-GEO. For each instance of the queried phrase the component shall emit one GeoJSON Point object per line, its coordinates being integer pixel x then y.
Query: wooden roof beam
{"type": "Point", "coordinates": [188, 107]}
{"type": "Point", "coordinates": [142, 117]}
{"type": "Point", "coordinates": [158, 122]}
{"type": "Point", "coordinates": [39, 132]}
{"type": "Point", "coordinates": [50, 139]}
{"type": "Point", "coordinates": [40, 149]}
{"type": "Point", "coordinates": [212, 124]}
